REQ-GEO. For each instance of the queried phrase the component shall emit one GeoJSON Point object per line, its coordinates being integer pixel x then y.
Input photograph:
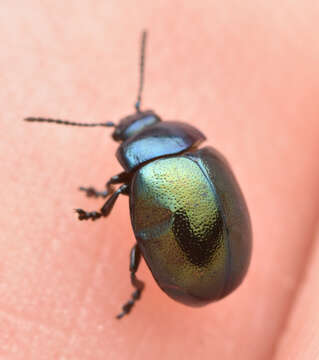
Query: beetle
{"type": "Point", "coordinates": [189, 216]}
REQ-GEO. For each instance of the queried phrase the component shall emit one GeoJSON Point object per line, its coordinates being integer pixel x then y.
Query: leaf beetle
{"type": "Point", "coordinates": [188, 213]}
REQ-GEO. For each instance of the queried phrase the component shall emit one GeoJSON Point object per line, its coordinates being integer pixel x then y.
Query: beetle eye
{"type": "Point", "coordinates": [116, 135]}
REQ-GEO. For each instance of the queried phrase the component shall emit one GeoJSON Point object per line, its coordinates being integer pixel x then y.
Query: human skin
{"type": "Point", "coordinates": [244, 73]}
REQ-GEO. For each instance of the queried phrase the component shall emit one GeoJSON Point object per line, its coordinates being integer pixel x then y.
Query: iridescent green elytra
{"type": "Point", "coordinates": [191, 223]}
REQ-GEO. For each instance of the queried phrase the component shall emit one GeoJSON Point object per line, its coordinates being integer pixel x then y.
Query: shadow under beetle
{"type": "Point", "coordinates": [188, 214]}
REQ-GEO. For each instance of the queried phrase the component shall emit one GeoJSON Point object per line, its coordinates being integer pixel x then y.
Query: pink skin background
{"type": "Point", "coordinates": [243, 72]}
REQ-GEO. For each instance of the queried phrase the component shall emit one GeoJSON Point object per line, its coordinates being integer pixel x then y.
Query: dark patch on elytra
{"type": "Point", "coordinates": [198, 248]}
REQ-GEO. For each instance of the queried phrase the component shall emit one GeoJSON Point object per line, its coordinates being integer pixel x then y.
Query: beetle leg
{"type": "Point", "coordinates": [135, 258]}
{"type": "Point", "coordinates": [116, 179]}
{"type": "Point", "coordinates": [106, 208]}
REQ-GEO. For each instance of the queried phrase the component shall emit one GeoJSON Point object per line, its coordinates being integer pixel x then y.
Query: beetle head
{"type": "Point", "coordinates": [132, 124]}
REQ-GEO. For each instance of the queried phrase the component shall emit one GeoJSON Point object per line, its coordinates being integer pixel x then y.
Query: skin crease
{"type": "Point", "coordinates": [246, 74]}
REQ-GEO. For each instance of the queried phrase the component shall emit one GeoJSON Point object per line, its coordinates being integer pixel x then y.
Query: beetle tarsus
{"type": "Point", "coordinates": [86, 215]}
{"type": "Point", "coordinates": [126, 308]}
{"type": "Point", "coordinates": [92, 192]}
{"type": "Point", "coordinates": [106, 208]}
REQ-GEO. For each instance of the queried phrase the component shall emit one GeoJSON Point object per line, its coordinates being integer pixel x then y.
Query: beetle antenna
{"type": "Point", "coordinates": [139, 93]}
{"type": "Point", "coordinates": [65, 122]}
